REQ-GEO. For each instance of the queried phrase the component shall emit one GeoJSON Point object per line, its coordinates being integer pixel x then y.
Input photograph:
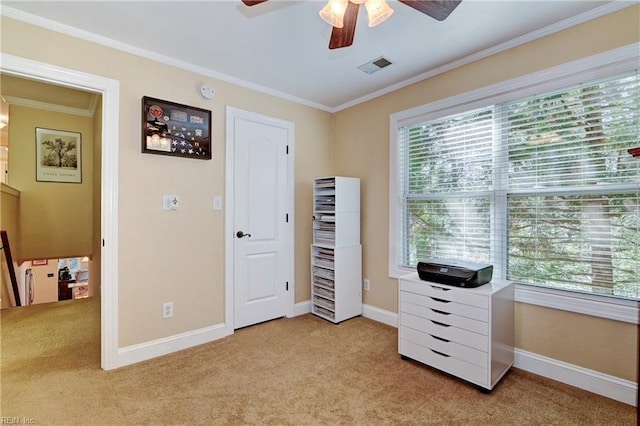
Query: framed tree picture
{"type": "Point", "coordinates": [58, 156]}
{"type": "Point", "coordinates": [174, 129]}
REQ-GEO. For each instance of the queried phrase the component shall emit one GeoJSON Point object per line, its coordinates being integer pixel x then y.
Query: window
{"type": "Point", "coordinates": [73, 263]}
{"type": "Point", "coordinates": [572, 191]}
{"type": "Point", "coordinates": [446, 175]}
{"type": "Point", "coordinates": [541, 186]}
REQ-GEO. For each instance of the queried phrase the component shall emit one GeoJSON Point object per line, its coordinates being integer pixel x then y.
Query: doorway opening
{"type": "Point", "coordinates": [107, 220]}
{"type": "Point", "coordinates": [55, 280]}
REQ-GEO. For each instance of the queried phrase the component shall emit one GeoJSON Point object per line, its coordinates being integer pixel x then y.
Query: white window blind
{"type": "Point", "coordinates": [576, 137]}
{"type": "Point", "coordinates": [573, 203]}
{"type": "Point", "coordinates": [447, 169]}
{"type": "Point", "coordinates": [542, 187]}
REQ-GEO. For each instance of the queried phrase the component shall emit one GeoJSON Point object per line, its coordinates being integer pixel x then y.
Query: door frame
{"type": "Point", "coordinates": [110, 91]}
{"type": "Point", "coordinates": [229, 227]}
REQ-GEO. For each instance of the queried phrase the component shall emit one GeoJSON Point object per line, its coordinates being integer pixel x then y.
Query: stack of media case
{"type": "Point", "coordinates": [336, 253]}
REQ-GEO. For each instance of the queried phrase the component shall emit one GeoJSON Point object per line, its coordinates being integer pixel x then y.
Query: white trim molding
{"type": "Point", "coordinates": [52, 25]}
{"type": "Point", "coordinates": [615, 61]}
{"type": "Point", "coordinates": [380, 315]}
{"type": "Point", "coordinates": [587, 304]}
{"type": "Point", "coordinates": [13, 100]}
{"type": "Point", "coordinates": [368, 311]}
{"type": "Point", "coordinates": [603, 10]}
{"type": "Point", "coordinates": [9, 190]}
{"type": "Point", "coordinates": [159, 347]}
{"type": "Point", "coordinates": [583, 378]}
{"type": "Point", "coordinates": [302, 308]}
{"type": "Point", "coordinates": [110, 91]}
{"type": "Point", "coordinates": [593, 381]}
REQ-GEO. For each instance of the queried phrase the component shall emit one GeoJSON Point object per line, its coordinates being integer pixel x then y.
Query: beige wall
{"type": "Point", "coordinates": [177, 256]}
{"type": "Point", "coordinates": [9, 221]}
{"type": "Point", "coordinates": [55, 218]}
{"type": "Point", "coordinates": [594, 343]}
{"type": "Point", "coordinates": [95, 263]}
{"type": "Point", "coordinates": [602, 345]}
{"type": "Point", "coordinates": [325, 144]}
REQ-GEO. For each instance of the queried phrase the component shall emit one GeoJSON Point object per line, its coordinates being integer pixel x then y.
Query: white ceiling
{"type": "Point", "coordinates": [281, 47]}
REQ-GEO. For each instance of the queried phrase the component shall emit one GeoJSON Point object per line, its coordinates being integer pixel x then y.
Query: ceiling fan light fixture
{"type": "Point", "coordinates": [333, 12]}
{"type": "Point", "coordinates": [378, 11]}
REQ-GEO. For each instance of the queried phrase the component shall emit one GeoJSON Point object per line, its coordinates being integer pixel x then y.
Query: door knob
{"type": "Point", "coordinates": [241, 234]}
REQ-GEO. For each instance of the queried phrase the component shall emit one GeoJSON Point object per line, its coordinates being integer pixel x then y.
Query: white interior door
{"type": "Point", "coordinates": [261, 258]}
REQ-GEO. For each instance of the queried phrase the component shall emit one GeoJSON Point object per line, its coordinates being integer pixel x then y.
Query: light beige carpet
{"type": "Point", "coordinates": [299, 371]}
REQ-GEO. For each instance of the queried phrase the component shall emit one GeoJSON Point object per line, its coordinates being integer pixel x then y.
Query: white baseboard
{"type": "Point", "coordinates": [376, 314]}
{"type": "Point", "coordinates": [602, 384]}
{"type": "Point", "coordinates": [589, 380]}
{"type": "Point", "coordinates": [302, 308]}
{"type": "Point", "coordinates": [144, 351]}
{"type": "Point", "coordinates": [380, 315]}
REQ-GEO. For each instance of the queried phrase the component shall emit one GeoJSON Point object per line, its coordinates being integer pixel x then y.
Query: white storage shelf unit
{"type": "Point", "coordinates": [336, 211]}
{"type": "Point", "coordinates": [336, 253]}
{"type": "Point", "coordinates": [333, 296]}
{"type": "Point", "coordinates": [466, 332]}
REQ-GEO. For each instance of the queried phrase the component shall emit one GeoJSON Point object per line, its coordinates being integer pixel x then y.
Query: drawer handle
{"type": "Point", "coordinates": [440, 353]}
{"type": "Point", "coordinates": [441, 312]}
{"type": "Point", "coordinates": [440, 323]}
{"type": "Point", "coordinates": [440, 338]}
{"type": "Point", "coordinates": [435, 299]}
{"type": "Point", "coordinates": [440, 288]}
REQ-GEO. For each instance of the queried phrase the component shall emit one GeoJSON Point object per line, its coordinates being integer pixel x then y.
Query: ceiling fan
{"type": "Point", "coordinates": [343, 36]}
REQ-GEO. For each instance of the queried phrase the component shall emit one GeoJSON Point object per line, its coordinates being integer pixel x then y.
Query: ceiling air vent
{"type": "Point", "coordinates": [375, 65]}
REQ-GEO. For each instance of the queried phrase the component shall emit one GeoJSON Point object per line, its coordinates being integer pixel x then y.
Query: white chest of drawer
{"type": "Point", "coordinates": [466, 332]}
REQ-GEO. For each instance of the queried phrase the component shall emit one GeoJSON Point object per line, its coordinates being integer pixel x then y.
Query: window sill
{"type": "Point", "coordinates": [597, 306]}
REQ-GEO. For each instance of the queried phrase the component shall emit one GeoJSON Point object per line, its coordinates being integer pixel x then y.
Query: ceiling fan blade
{"type": "Point", "coordinates": [437, 9]}
{"type": "Point", "coordinates": [343, 37]}
{"type": "Point", "coordinates": [253, 2]}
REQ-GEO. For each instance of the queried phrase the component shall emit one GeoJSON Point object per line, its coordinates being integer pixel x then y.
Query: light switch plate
{"type": "Point", "coordinates": [217, 203]}
{"type": "Point", "coordinates": [170, 202]}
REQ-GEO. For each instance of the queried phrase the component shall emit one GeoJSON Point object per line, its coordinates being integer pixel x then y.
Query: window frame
{"type": "Point", "coordinates": [616, 61]}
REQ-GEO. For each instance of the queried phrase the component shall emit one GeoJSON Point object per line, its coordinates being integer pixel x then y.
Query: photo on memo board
{"type": "Point", "coordinates": [58, 156]}
{"type": "Point", "coordinates": [176, 130]}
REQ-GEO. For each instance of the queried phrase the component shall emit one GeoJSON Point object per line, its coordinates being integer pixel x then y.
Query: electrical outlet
{"type": "Point", "coordinates": [167, 310]}
{"type": "Point", "coordinates": [367, 285]}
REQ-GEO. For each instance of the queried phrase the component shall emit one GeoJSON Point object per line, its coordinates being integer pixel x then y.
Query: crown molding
{"type": "Point", "coordinates": [603, 10]}
{"type": "Point", "coordinates": [123, 47]}
{"type": "Point", "coordinates": [597, 12]}
{"type": "Point", "coordinates": [13, 100]}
